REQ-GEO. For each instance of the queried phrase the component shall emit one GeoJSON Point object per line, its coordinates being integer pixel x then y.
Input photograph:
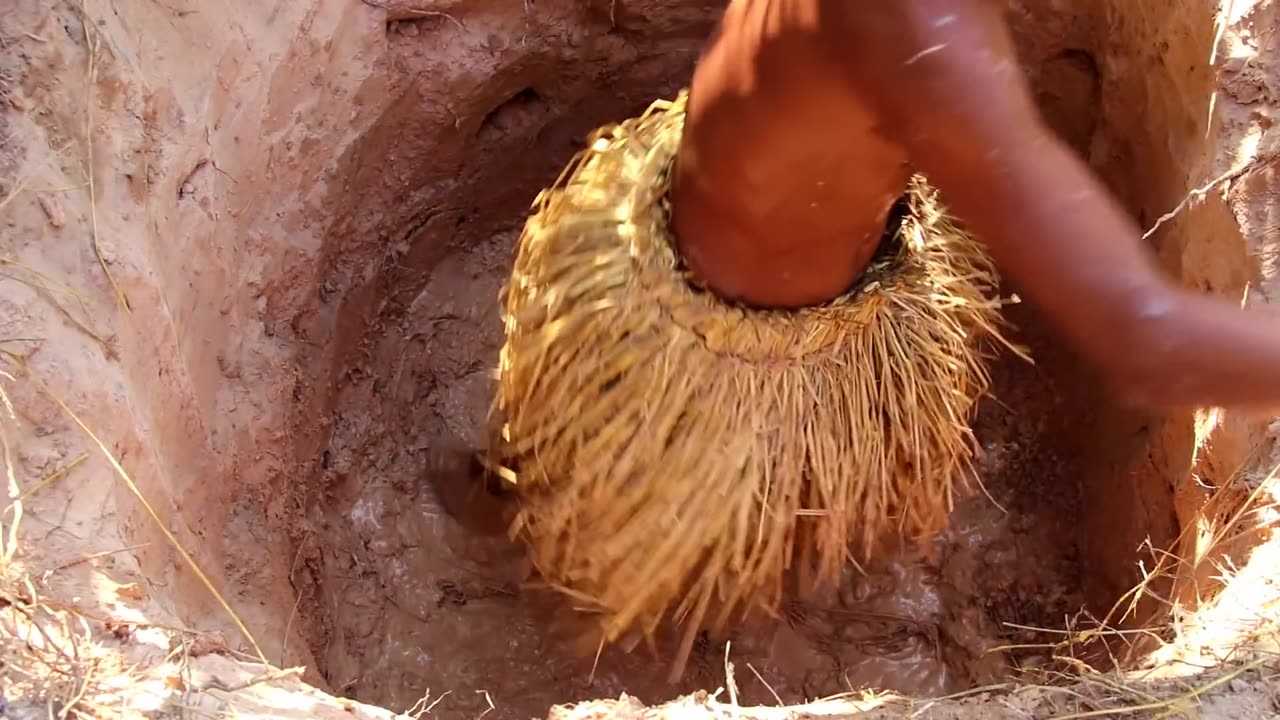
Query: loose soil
{"type": "Point", "coordinates": [310, 207]}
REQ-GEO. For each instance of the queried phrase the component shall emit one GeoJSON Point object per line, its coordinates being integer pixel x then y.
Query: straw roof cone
{"type": "Point", "coordinates": [679, 457]}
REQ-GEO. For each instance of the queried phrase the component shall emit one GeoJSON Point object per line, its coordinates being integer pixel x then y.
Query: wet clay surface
{"type": "Point", "coordinates": [417, 589]}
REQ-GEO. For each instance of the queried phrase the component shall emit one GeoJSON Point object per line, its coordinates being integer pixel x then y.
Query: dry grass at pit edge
{"type": "Point", "coordinates": [53, 662]}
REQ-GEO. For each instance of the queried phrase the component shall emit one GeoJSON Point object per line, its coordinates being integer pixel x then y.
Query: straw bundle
{"type": "Point", "coordinates": [677, 453]}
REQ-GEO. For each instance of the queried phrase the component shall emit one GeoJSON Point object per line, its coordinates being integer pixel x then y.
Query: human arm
{"type": "Point", "coordinates": [943, 75]}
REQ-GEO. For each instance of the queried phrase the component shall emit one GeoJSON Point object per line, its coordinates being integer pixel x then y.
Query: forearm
{"type": "Point", "coordinates": [942, 75]}
{"type": "Point", "coordinates": [1208, 352]}
{"type": "Point", "coordinates": [1071, 248]}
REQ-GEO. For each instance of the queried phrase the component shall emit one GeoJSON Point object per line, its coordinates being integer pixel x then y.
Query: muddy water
{"type": "Point", "coordinates": [405, 600]}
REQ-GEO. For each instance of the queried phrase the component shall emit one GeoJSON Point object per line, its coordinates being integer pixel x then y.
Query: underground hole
{"type": "Point", "coordinates": [406, 592]}
{"type": "Point", "coordinates": [521, 107]}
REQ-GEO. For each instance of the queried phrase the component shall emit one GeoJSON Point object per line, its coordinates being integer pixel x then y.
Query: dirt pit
{"type": "Point", "coordinates": [256, 249]}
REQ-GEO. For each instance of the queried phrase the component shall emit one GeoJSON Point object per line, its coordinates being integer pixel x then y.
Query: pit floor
{"type": "Point", "coordinates": [403, 601]}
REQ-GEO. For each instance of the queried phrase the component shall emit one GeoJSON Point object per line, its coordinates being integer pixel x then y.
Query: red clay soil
{"type": "Point", "coordinates": [310, 207]}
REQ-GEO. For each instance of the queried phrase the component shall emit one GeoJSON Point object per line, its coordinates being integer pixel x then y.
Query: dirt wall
{"type": "Point", "coordinates": [271, 186]}
{"type": "Point", "coordinates": [259, 171]}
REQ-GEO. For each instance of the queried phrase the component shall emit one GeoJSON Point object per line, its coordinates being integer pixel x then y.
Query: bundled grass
{"type": "Point", "coordinates": [675, 453]}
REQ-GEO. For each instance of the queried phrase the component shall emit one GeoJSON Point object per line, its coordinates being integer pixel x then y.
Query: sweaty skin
{"type": "Point", "coordinates": [806, 118]}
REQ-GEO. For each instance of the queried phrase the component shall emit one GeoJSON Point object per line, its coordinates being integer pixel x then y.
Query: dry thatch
{"type": "Point", "coordinates": [677, 453]}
